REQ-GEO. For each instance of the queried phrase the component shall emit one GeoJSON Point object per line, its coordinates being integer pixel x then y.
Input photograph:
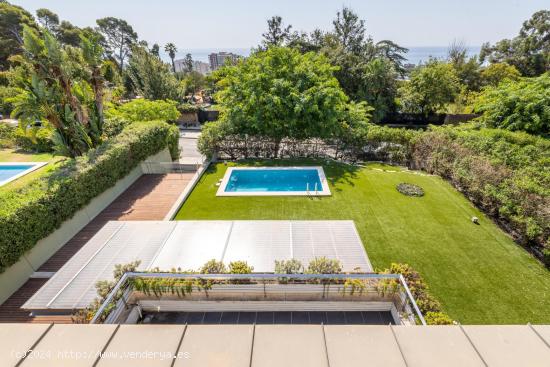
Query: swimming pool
{"type": "Point", "coordinates": [10, 171]}
{"type": "Point", "coordinates": [274, 181]}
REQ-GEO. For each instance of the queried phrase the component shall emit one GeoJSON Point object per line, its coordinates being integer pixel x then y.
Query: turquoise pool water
{"type": "Point", "coordinates": [269, 180]}
{"type": "Point", "coordinates": [9, 171]}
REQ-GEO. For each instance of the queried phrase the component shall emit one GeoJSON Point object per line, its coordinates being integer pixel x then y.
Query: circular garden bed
{"type": "Point", "coordinates": [410, 189]}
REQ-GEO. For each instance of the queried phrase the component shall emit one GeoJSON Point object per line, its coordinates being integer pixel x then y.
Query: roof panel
{"type": "Point", "coordinates": [17, 339]}
{"type": "Point", "coordinates": [232, 345]}
{"type": "Point", "coordinates": [259, 243]}
{"type": "Point", "coordinates": [192, 244]}
{"type": "Point", "coordinates": [509, 345]}
{"type": "Point", "coordinates": [436, 346]}
{"type": "Point", "coordinates": [71, 349]}
{"type": "Point", "coordinates": [349, 345]}
{"type": "Point", "coordinates": [289, 346]}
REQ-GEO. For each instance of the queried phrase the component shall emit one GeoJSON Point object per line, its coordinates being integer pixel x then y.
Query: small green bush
{"type": "Point", "coordinates": [188, 108]}
{"type": "Point", "coordinates": [7, 136]}
{"type": "Point", "coordinates": [291, 266]}
{"type": "Point", "coordinates": [213, 267]}
{"type": "Point", "coordinates": [31, 212]}
{"type": "Point", "coordinates": [240, 267]}
{"type": "Point", "coordinates": [35, 139]}
{"type": "Point", "coordinates": [323, 265]}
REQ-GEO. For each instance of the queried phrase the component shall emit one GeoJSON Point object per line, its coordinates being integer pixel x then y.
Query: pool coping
{"type": "Point", "coordinates": [35, 166]}
{"type": "Point", "coordinates": [320, 171]}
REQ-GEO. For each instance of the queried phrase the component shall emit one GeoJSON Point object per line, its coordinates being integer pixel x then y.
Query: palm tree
{"type": "Point", "coordinates": [171, 49]}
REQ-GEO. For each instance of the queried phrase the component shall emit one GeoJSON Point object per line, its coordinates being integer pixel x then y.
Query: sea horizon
{"type": "Point", "coordinates": [416, 54]}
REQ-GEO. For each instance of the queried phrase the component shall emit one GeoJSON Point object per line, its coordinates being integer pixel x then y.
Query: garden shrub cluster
{"type": "Point", "coordinates": [410, 189]}
{"type": "Point", "coordinates": [7, 135]}
{"type": "Point", "coordinates": [428, 305]}
{"type": "Point", "coordinates": [31, 212]}
{"type": "Point", "coordinates": [144, 110]}
{"type": "Point", "coordinates": [36, 139]}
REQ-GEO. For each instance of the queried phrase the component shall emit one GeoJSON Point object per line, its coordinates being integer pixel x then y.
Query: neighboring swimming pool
{"type": "Point", "coordinates": [10, 171]}
{"type": "Point", "coordinates": [274, 181]}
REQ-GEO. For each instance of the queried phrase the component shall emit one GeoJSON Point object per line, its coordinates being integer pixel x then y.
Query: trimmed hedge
{"type": "Point", "coordinates": [32, 212]}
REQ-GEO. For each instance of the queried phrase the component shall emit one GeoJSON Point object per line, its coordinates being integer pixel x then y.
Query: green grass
{"type": "Point", "coordinates": [476, 271]}
{"type": "Point", "coordinates": [10, 155]}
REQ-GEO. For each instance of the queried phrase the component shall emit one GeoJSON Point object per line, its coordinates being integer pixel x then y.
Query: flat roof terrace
{"type": "Point", "coordinates": [187, 245]}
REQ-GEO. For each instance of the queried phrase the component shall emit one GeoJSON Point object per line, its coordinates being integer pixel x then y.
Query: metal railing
{"type": "Point", "coordinates": [123, 285]}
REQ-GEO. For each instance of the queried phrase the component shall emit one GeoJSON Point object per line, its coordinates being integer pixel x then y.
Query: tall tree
{"type": "Point", "coordinates": [188, 63]}
{"type": "Point", "coordinates": [277, 34]}
{"type": "Point", "coordinates": [392, 52]}
{"type": "Point", "coordinates": [12, 20]}
{"type": "Point", "coordinates": [150, 77]}
{"type": "Point", "coordinates": [155, 50]}
{"type": "Point", "coordinates": [48, 19]}
{"type": "Point", "coordinates": [171, 49]}
{"type": "Point", "coordinates": [350, 30]}
{"type": "Point", "coordinates": [119, 37]}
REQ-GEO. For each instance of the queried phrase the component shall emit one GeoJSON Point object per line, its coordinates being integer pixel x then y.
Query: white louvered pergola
{"type": "Point", "coordinates": [187, 245]}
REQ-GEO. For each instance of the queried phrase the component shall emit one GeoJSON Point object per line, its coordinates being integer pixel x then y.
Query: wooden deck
{"type": "Point", "coordinates": [149, 198]}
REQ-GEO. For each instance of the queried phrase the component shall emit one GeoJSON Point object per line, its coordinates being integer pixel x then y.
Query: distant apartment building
{"type": "Point", "coordinates": [199, 66]}
{"type": "Point", "coordinates": [218, 59]}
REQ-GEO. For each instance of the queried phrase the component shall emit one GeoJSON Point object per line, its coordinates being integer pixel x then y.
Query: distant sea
{"type": "Point", "coordinates": [415, 55]}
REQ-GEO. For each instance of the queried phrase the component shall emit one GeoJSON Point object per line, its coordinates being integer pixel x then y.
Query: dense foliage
{"type": "Point", "coordinates": [144, 110]}
{"type": "Point", "coordinates": [521, 105]}
{"type": "Point", "coordinates": [430, 88]}
{"type": "Point", "coordinates": [280, 93]}
{"type": "Point", "coordinates": [31, 212]}
{"type": "Point", "coordinates": [64, 86]}
{"type": "Point", "coordinates": [529, 51]}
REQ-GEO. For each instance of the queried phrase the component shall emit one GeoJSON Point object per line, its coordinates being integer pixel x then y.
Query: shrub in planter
{"type": "Point", "coordinates": [323, 265]}
{"type": "Point", "coordinates": [410, 189]}
{"type": "Point", "coordinates": [188, 108]}
{"type": "Point", "coordinates": [213, 267]}
{"type": "Point", "coordinates": [33, 211]}
{"type": "Point", "coordinates": [240, 267]}
{"type": "Point", "coordinates": [291, 266]}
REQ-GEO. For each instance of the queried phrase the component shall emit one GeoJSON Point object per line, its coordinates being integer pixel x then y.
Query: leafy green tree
{"type": "Point", "coordinates": [119, 38]}
{"type": "Point", "coordinates": [494, 74]}
{"type": "Point", "coordinates": [12, 20]}
{"type": "Point", "coordinates": [281, 93]}
{"type": "Point", "coordinates": [62, 85]}
{"type": "Point", "coordinates": [467, 69]}
{"type": "Point", "coordinates": [430, 88]}
{"type": "Point", "coordinates": [379, 87]}
{"type": "Point", "coordinates": [521, 105]}
{"type": "Point", "coordinates": [188, 63]}
{"type": "Point", "coordinates": [277, 34]}
{"type": "Point", "coordinates": [155, 50]}
{"type": "Point", "coordinates": [529, 52]}
{"type": "Point", "coordinates": [171, 49]}
{"type": "Point", "coordinates": [150, 77]}
{"type": "Point", "coordinates": [392, 52]}
{"type": "Point", "coordinates": [48, 19]}
{"type": "Point", "coordinates": [193, 82]}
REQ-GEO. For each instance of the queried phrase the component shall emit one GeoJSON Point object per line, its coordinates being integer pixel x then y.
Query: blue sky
{"type": "Point", "coordinates": [239, 23]}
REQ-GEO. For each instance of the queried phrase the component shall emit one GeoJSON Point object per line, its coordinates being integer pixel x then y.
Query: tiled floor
{"type": "Point", "coordinates": [328, 318]}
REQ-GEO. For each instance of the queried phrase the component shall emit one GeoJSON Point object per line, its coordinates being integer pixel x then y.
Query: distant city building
{"type": "Point", "coordinates": [199, 66]}
{"type": "Point", "coordinates": [218, 59]}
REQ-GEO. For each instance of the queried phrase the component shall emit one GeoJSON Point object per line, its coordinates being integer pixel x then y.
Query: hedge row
{"type": "Point", "coordinates": [32, 212]}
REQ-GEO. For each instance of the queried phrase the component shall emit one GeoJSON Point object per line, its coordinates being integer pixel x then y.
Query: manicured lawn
{"type": "Point", "coordinates": [10, 155]}
{"type": "Point", "coordinates": [476, 271]}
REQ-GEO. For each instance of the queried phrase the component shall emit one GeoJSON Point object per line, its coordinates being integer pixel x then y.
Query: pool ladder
{"type": "Point", "coordinates": [307, 189]}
